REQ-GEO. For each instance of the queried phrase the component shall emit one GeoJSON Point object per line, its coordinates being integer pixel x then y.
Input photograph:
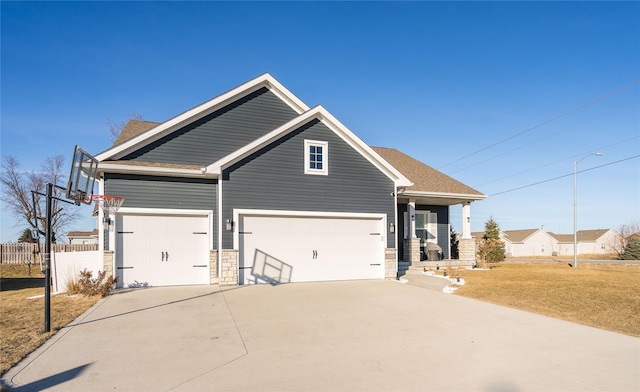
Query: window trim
{"type": "Point", "coordinates": [325, 157]}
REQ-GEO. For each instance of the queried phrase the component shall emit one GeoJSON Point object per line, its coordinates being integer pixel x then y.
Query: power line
{"type": "Point", "coordinates": [548, 136]}
{"type": "Point", "coordinates": [558, 161]}
{"type": "Point", "coordinates": [544, 122]}
{"type": "Point", "coordinates": [563, 176]}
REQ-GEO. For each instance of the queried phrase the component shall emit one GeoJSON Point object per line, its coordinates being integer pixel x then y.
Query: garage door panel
{"type": "Point", "coordinates": [163, 250]}
{"type": "Point", "coordinates": [301, 249]}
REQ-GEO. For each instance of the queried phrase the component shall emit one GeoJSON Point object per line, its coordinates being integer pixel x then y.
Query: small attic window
{"type": "Point", "coordinates": [316, 157]}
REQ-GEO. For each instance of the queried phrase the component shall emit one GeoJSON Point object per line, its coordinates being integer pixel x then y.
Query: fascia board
{"type": "Point", "coordinates": [236, 156]}
{"type": "Point", "coordinates": [204, 109]}
{"type": "Point", "coordinates": [442, 195]}
{"type": "Point", "coordinates": [364, 149]}
{"type": "Point", "coordinates": [154, 171]}
{"type": "Point", "coordinates": [320, 113]}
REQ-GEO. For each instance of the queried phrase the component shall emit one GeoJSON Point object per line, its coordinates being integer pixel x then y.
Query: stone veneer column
{"type": "Point", "coordinates": [411, 251]}
{"type": "Point", "coordinates": [390, 263]}
{"type": "Point", "coordinates": [229, 268]}
{"type": "Point", "coordinates": [213, 267]}
{"type": "Point", "coordinates": [107, 262]}
{"type": "Point", "coordinates": [467, 251]}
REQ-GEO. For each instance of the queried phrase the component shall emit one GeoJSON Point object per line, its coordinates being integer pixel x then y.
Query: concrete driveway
{"type": "Point", "coordinates": [335, 336]}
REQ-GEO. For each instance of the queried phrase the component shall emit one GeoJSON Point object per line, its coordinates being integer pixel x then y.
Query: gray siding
{"type": "Point", "coordinates": [220, 133]}
{"type": "Point", "coordinates": [164, 192]}
{"type": "Point", "coordinates": [274, 179]}
{"type": "Point", "coordinates": [443, 226]}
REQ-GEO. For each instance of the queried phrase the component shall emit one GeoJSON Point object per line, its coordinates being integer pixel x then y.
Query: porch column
{"type": "Point", "coordinates": [466, 220]}
{"type": "Point", "coordinates": [466, 244]}
{"type": "Point", "coordinates": [411, 241]}
{"type": "Point", "coordinates": [411, 212]}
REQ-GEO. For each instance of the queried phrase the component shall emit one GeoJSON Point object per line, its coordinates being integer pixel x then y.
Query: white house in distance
{"type": "Point", "coordinates": [83, 237]}
{"type": "Point", "coordinates": [530, 242]}
{"type": "Point", "coordinates": [598, 241]}
{"type": "Point", "coordinates": [537, 242]}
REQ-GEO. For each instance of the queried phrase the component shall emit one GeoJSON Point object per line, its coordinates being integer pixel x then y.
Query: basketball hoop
{"type": "Point", "coordinates": [108, 204]}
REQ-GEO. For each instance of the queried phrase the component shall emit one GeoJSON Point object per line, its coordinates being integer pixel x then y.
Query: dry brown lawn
{"type": "Point", "coordinates": [601, 296]}
{"type": "Point", "coordinates": [22, 319]}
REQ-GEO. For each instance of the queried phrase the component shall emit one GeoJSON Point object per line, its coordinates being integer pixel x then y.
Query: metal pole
{"type": "Point", "coordinates": [47, 262]}
{"type": "Point", "coordinates": [575, 206]}
{"type": "Point", "coordinates": [575, 215]}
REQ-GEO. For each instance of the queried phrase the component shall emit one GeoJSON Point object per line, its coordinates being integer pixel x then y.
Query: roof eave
{"type": "Point", "coordinates": [107, 167]}
{"type": "Point", "coordinates": [442, 195]}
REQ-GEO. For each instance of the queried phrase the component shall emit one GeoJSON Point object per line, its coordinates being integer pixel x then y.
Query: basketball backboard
{"type": "Point", "coordinates": [82, 177]}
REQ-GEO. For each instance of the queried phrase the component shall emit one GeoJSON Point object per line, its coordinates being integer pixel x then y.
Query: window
{"type": "Point", "coordinates": [316, 157]}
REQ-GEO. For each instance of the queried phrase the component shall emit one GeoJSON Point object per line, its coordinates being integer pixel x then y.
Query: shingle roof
{"type": "Point", "coordinates": [583, 235]}
{"type": "Point", "coordinates": [424, 177]}
{"type": "Point", "coordinates": [132, 129]}
{"type": "Point", "coordinates": [516, 236]}
{"type": "Point", "coordinates": [82, 233]}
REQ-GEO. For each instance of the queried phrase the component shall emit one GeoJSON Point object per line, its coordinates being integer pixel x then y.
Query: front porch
{"type": "Point", "coordinates": [424, 236]}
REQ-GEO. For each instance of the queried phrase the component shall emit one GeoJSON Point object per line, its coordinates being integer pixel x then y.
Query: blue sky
{"type": "Point", "coordinates": [499, 95]}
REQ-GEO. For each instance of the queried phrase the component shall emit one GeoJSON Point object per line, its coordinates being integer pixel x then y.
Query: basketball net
{"type": "Point", "coordinates": [108, 204]}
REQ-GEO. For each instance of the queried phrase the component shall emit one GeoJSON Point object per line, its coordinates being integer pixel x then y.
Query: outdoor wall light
{"type": "Point", "coordinates": [229, 225]}
{"type": "Point", "coordinates": [392, 228]}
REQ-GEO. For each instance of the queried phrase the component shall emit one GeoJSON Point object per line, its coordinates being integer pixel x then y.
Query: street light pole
{"type": "Point", "coordinates": [575, 207]}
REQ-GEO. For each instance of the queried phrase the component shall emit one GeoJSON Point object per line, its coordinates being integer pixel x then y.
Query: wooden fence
{"type": "Point", "coordinates": [25, 253]}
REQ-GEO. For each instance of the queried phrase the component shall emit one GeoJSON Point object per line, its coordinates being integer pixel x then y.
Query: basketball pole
{"type": "Point", "coordinates": [47, 261]}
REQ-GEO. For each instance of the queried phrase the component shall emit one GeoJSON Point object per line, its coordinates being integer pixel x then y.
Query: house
{"type": "Point", "coordinates": [254, 186]}
{"type": "Point", "coordinates": [594, 242]}
{"type": "Point", "coordinates": [83, 237]}
{"type": "Point", "coordinates": [528, 242]}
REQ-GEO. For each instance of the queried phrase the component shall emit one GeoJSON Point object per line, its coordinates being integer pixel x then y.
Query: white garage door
{"type": "Point", "coordinates": [277, 249]}
{"type": "Point", "coordinates": [162, 250]}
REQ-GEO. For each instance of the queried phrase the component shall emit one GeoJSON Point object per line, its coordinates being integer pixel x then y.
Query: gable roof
{"type": "Point", "coordinates": [321, 114]}
{"type": "Point", "coordinates": [427, 181]}
{"type": "Point", "coordinates": [582, 235]}
{"type": "Point", "coordinates": [143, 138]}
{"type": "Point", "coordinates": [518, 236]}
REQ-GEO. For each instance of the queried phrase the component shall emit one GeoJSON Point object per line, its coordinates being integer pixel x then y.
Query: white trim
{"type": "Point", "coordinates": [202, 110]}
{"type": "Point", "coordinates": [442, 195]}
{"type": "Point", "coordinates": [238, 212]}
{"type": "Point", "coordinates": [172, 211]}
{"type": "Point", "coordinates": [325, 157]}
{"type": "Point", "coordinates": [219, 245]}
{"type": "Point", "coordinates": [333, 124]}
{"type": "Point", "coordinates": [115, 167]}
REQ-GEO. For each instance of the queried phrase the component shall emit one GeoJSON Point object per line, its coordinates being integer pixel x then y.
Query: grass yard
{"type": "Point", "coordinates": [22, 319]}
{"type": "Point", "coordinates": [601, 296]}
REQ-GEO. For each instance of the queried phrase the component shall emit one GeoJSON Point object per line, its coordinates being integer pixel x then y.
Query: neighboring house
{"type": "Point", "coordinates": [599, 241]}
{"type": "Point", "coordinates": [536, 242]}
{"type": "Point", "coordinates": [83, 237]}
{"type": "Point", "coordinates": [530, 242]}
{"type": "Point", "coordinates": [254, 186]}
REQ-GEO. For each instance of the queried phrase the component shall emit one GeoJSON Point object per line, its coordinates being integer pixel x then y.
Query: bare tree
{"type": "Point", "coordinates": [623, 234]}
{"type": "Point", "coordinates": [17, 187]}
{"type": "Point", "coordinates": [116, 127]}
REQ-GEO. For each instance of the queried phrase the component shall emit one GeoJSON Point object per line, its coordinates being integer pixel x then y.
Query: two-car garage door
{"type": "Point", "coordinates": [162, 250]}
{"type": "Point", "coordinates": [280, 249]}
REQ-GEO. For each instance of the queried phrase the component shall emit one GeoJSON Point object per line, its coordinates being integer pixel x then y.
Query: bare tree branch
{"type": "Point", "coordinates": [17, 187]}
{"type": "Point", "coordinates": [116, 127]}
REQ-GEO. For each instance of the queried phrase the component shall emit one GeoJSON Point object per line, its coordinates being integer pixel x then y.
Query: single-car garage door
{"type": "Point", "coordinates": [280, 249]}
{"type": "Point", "coordinates": [162, 250]}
